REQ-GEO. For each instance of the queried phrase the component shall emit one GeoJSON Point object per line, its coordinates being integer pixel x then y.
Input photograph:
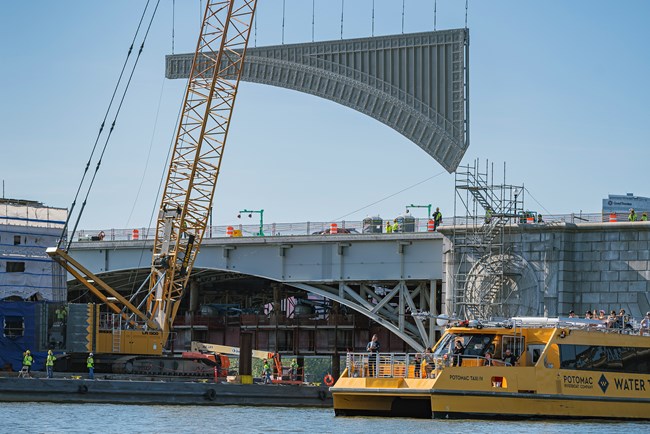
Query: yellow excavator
{"type": "Point", "coordinates": [119, 332]}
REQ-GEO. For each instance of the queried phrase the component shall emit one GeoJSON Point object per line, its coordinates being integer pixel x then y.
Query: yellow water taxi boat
{"type": "Point", "coordinates": [519, 368]}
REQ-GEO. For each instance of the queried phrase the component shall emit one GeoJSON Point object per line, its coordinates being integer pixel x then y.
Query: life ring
{"type": "Point", "coordinates": [211, 394]}
{"type": "Point", "coordinates": [101, 235]}
{"type": "Point", "coordinates": [82, 389]}
{"type": "Point", "coordinates": [328, 380]}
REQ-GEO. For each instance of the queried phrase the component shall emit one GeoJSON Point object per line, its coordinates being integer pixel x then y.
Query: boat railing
{"type": "Point", "coordinates": [630, 326]}
{"type": "Point", "coordinates": [410, 365]}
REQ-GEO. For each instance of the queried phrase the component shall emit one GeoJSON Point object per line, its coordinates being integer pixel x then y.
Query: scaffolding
{"type": "Point", "coordinates": [482, 260]}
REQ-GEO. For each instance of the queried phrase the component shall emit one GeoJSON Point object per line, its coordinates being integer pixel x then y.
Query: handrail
{"type": "Point", "coordinates": [316, 228]}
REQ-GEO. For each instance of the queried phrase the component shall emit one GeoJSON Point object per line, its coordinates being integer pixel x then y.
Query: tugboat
{"type": "Point", "coordinates": [514, 369]}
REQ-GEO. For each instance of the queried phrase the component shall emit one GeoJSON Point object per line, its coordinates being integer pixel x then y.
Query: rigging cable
{"type": "Point", "coordinates": [284, 4]}
{"type": "Point", "coordinates": [403, 7]}
{"type": "Point", "coordinates": [373, 19]}
{"type": "Point", "coordinates": [342, 7]}
{"type": "Point", "coordinates": [538, 203]}
{"type": "Point", "coordinates": [101, 129]}
{"type": "Point", "coordinates": [389, 196]}
{"type": "Point", "coordinates": [466, 7]}
{"type": "Point", "coordinates": [110, 132]}
{"type": "Point", "coordinates": [163, 176]}
{"type": "Point", "coordinates": [435, 13]}
{"type": "Point", "coordinates": [313, 18]}
{"type": "Point", "coordinates": [173, 22]}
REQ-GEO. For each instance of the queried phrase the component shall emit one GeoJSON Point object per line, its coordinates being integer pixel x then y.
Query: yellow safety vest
{"type": "Point", "coordinates": [50, 360]}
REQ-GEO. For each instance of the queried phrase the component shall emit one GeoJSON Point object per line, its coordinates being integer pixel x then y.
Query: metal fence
{"type": "Point", "coordinates": [324, 228]}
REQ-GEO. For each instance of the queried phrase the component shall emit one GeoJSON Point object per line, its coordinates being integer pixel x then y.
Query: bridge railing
{"type": "Point", "coordinates": [315, 228]}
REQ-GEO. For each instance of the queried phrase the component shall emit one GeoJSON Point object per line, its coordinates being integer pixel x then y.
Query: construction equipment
{"type": "Point", "coordinates": [281, 374]}
{"type": "Point", "coordinates": [189, 189]}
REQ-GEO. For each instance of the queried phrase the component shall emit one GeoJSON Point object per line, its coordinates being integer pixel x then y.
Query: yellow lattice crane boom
{"type": "Point", "coordinates": [190, 185]}
{"type": "Point", "coordinates": [196, 159]}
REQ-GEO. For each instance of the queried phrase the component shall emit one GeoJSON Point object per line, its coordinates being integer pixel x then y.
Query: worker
{"type": "Point", "coordinates": [539, 218]}
{"type": "Point", "coordinates": [28, 360]}
{"type": "Point", "coordinates": [631, 216]}
{"type": "Point", "coordinates": [395, 226]}
{"type": "Point", "coordinates": [373, 348]}
{"type": "Point", "coordinates": [488, 215]}
{"type": "Point", "coordinates": [49, 364]}
{"type": "Point", "coordinates": [90, 363]}
{"type": "Point", "coordinates": [437, 218]}
{"type": "Point", "coordinates": [389, 228]}
{"type": "Point", "coordinates": [644, 217]}
{"type": "Point", "coordinates": [60, 314]}
{"type": "Point", "coordinates": [294, 369]}
{"type": "Point", "coordinates": [266, 371]}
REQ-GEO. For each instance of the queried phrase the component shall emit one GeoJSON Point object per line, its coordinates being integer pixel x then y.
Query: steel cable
{"type": "Point", "coordinates": [110, 132]}
{"type": "Point", "coordinates": [101, 129]}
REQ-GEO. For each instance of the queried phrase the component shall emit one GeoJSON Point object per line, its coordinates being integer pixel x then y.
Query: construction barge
{"type": "Point", "coordinates": [163, 392]}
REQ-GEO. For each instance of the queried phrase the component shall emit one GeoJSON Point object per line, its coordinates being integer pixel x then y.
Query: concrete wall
{"type": "Point", "coordinates": [582, 267]}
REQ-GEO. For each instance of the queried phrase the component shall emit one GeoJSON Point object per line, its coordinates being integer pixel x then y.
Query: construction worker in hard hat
{"type": "Point", "coordinates": [632, 217]}
{"type": "Point", "coordinates": [90, 363]}
{"type": "Point", "coordinates": [28, 360]}
{"type": "Point", "coordinates": [49, 364]}
{"type": "Point", "coordinates": [294, 369]}
{"type": "Point", "coordinates": [437, 218]}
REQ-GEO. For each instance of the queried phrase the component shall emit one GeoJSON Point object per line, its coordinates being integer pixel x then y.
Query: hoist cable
{"type": "Point", "coordinates": [403, 8]}
{"type": "Point", "coordinates": [342, 8]}
{"type": "Point", "coordinates": [173, 22]}
{"type": "Point", "coordinates": [313, 18]}
{"type": "Point", "coordinates": [101, 128]}
{"type": "Point", "coordinates": [389, 196]}
{"type": "Point", "coordinates": [435, 14]}
{"type": "Point", "coordinates": [284, 5]}
{"type": "Point", "coordinates": [372, 33]}
{"type": "Point", "coordinates": [110, 132]}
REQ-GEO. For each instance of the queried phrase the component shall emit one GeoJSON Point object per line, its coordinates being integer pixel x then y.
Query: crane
{"type": "Point", "coordinates": [189, 189]}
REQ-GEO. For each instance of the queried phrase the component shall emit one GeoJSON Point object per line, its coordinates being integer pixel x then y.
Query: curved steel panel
{"type": "Point", "coordinates": [413, 83]}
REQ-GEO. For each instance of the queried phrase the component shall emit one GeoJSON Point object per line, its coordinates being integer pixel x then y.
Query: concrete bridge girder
{"type": "Point", "coordinates": [416, 84]}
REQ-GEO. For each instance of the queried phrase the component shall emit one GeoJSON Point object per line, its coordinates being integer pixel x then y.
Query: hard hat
{"type": "Point", "coordinates": [91, 354]}
{"type": "Point", "coordinates": [49, 352]}
{"type": "Point", "coordinates": [27, 351]}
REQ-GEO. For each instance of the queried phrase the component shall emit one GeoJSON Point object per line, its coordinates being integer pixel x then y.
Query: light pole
{"type": "Point", "coordinates": [250, 214]}
{"type": "Point", "coordinates": [428, 207]}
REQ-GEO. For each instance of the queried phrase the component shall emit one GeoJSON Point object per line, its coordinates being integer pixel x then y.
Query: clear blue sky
{"type": "Point", "coordinates": [559, 91]}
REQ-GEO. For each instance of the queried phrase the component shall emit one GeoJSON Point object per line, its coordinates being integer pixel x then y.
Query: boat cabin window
{"type": "Point", "coordinates": [474, 344]}
{"type": "Point", "coordinates": [604, 358]}
{"type": "Point", "coordinates": [533, 353]}
{"type": "Point", "coordinates": [16, 240]}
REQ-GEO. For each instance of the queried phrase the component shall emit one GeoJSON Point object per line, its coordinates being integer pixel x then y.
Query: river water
{"type": "Point", "coordinates": [108, 418]}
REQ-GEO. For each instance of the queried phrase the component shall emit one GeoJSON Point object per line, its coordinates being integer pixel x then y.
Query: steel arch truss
{"type": "Point", "coordinates": [416, 84]}
{"type": "Point", "coordinates": [390, 307]}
